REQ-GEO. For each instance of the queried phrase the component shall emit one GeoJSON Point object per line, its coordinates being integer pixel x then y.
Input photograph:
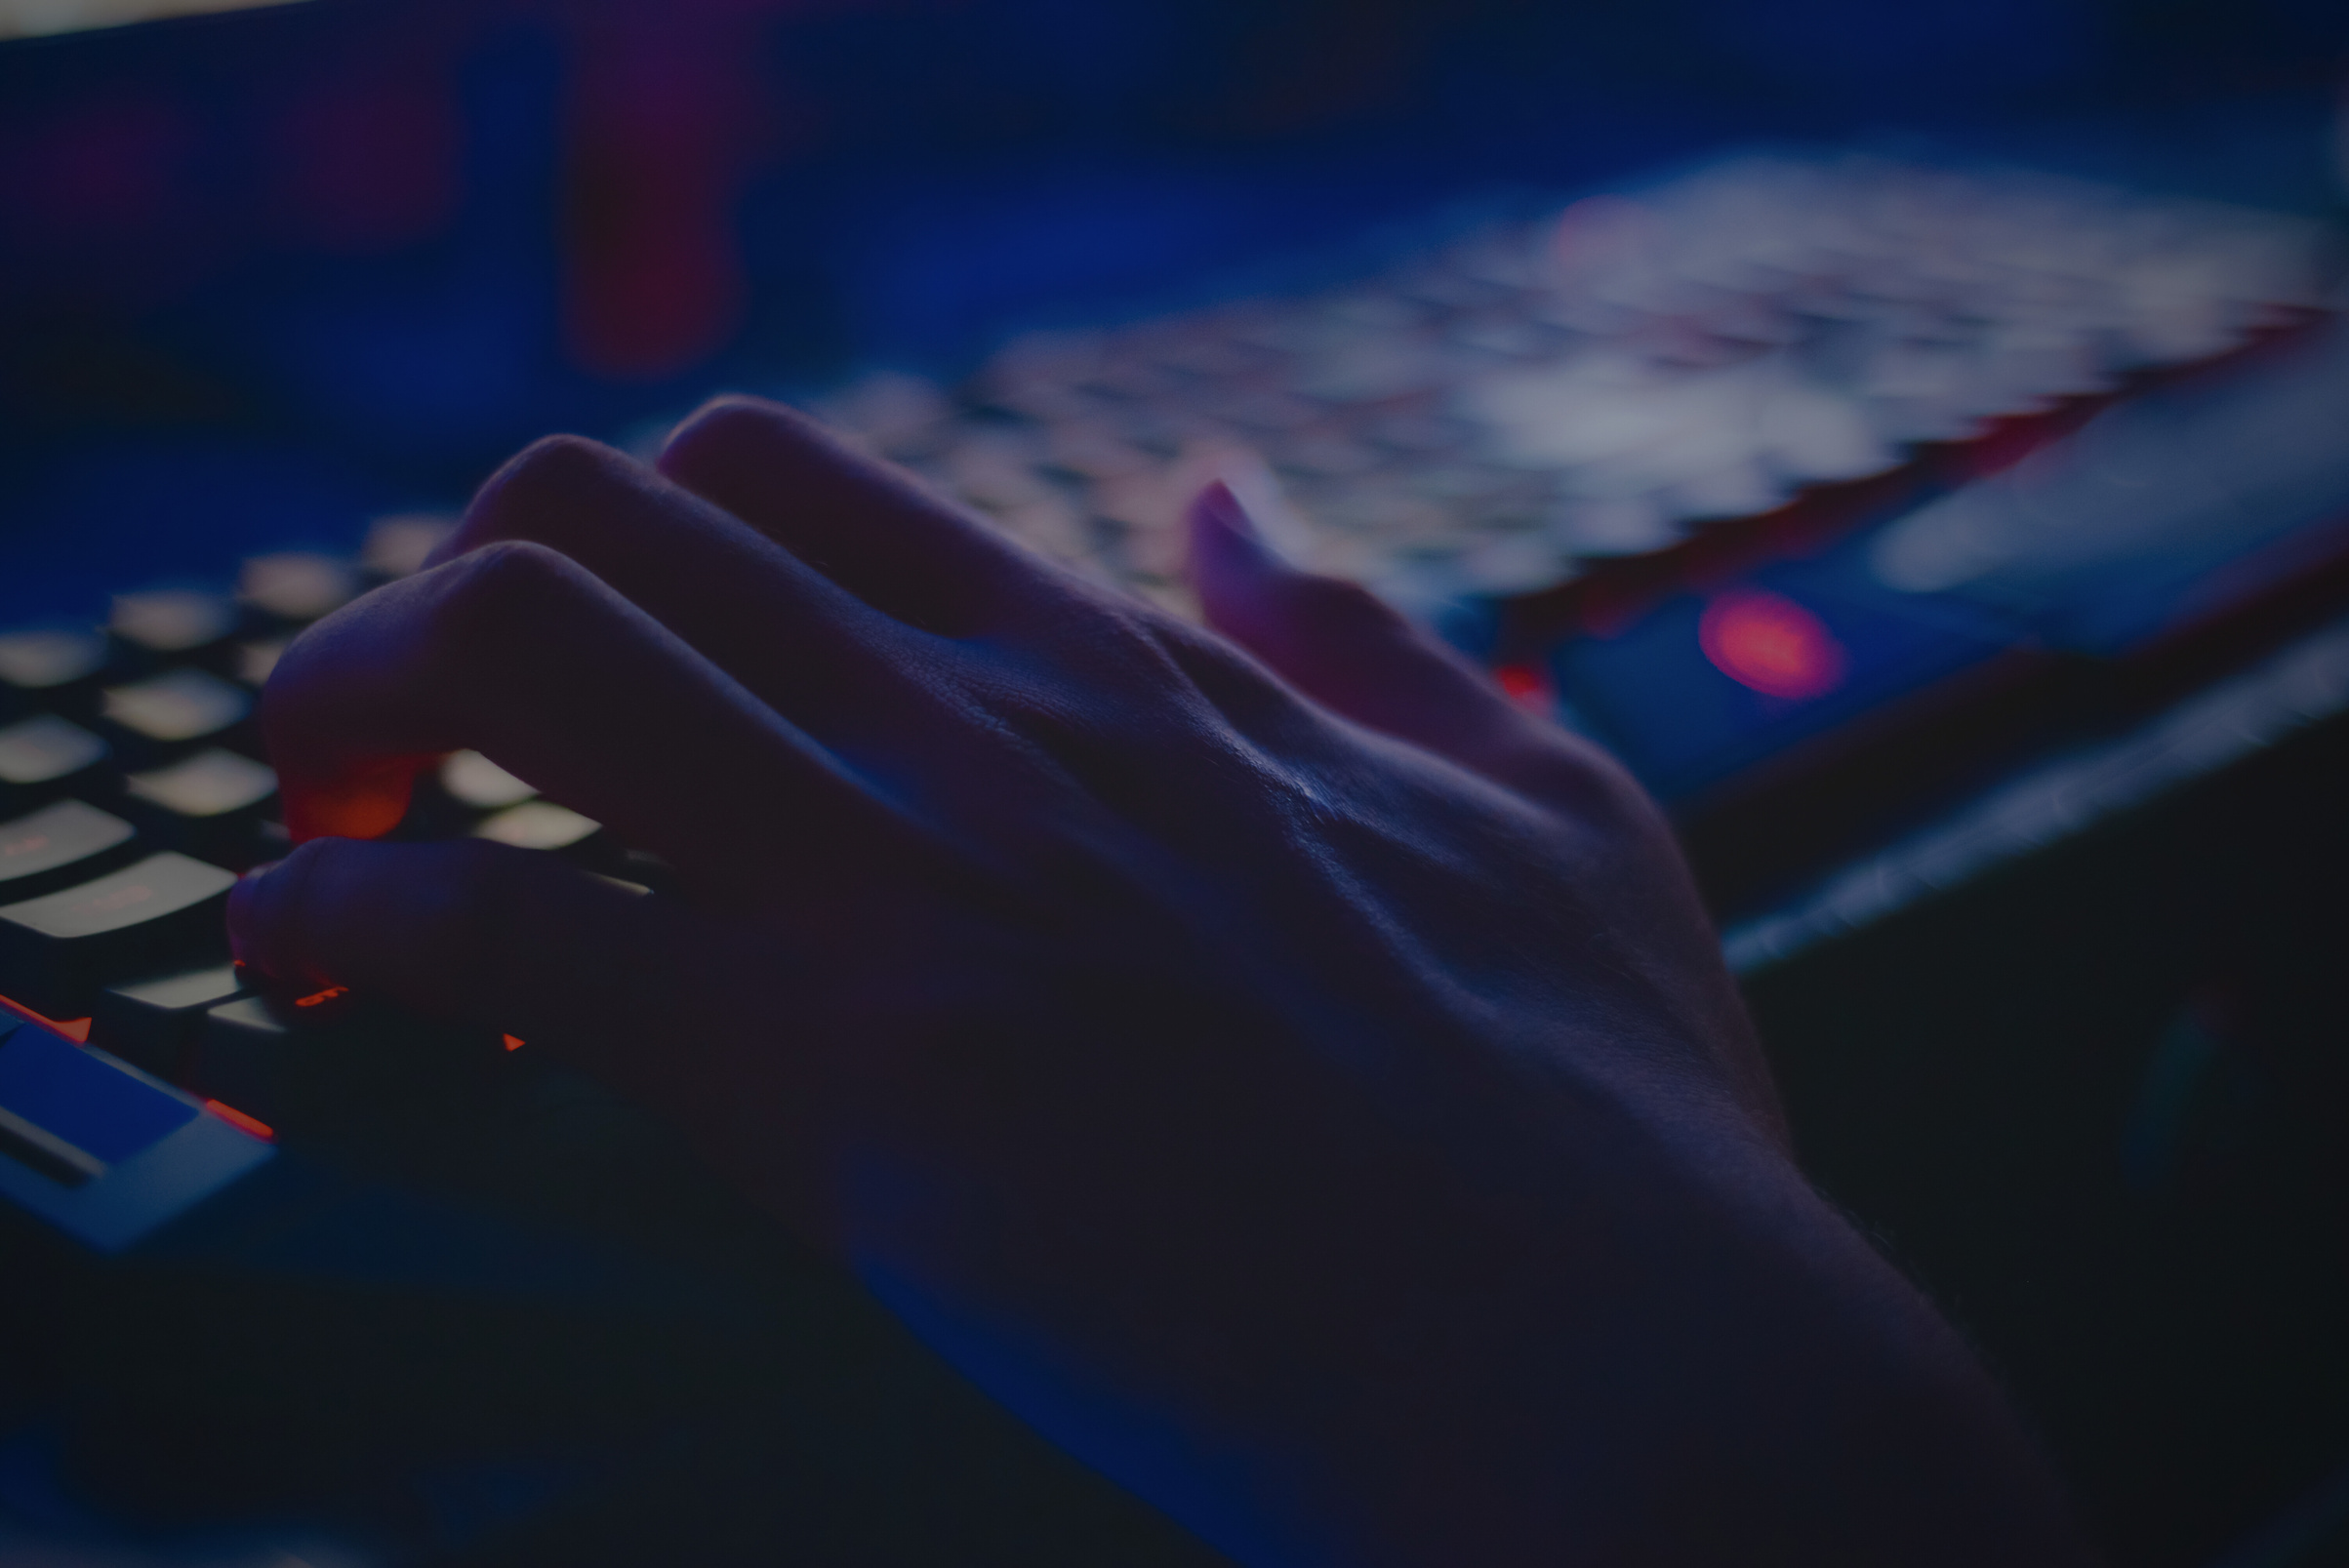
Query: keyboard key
{"type": "Point", "coordinates": [57, 846]}
{"type": "Point", "coordinates": [49, 668]}
{"type": "Point", "coordinates": [539, 825]}
{"type": "Point", "coordinates": [153, 1024]}
{"type": "Point", "coordinates": [256, 659]}
{"type": "Point", "coordinates": [296, 586]}
{"type": "Point", "coordinates": [58, 950]}
{"type": "Point", "coordinates": [50, 1082]}
{"type": "Point", "coordinates": [210, 784]}
{"type": "Point", "coordinates": [245, 1049]}
{"type": "Point", "coordinates": [396, 545]}
{"type": "Point", "coordinates": [45, 756]}
{"type": "Point", "coordinates": [211, 804]}
{"type": "Point", "coordinates": [472, 779]}
{"type": "Point", "coordinates": [178, 708]}
{"type": "Point", "coordinates": [172, 622]}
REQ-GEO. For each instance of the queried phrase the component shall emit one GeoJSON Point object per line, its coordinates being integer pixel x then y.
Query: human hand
{"type": "Point", "coordinates": [1316, 1100]}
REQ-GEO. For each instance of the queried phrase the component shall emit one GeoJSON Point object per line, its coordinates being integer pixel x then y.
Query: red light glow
{"type": "Point", "coordinates": [321, 999]}
{"type": "Point", "coordinates": [242, 1122]}
{"type": "Point", "coordinates": [1770, 643]}
{"type": "Point", "coordinates": [511, 1044]}
{"type": "Point", "coordinates": [1524, 685]}
{"type": "Point", "coordinates": [76, 1030]}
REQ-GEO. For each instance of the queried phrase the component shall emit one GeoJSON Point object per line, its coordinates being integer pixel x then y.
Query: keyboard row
{"type": "Point", "coordinates": [134, 789]}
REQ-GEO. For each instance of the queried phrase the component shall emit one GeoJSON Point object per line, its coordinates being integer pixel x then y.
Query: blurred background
{"type": "Point", "coordinates": [1915, 436]}
{"type": "Point", "coordinates": [271, 269]}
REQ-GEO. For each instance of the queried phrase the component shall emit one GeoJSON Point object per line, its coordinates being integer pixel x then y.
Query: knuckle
{"type": "Point", "coordinates": [551, 469]}
{"type": "Point", "coordinates": [511, 573]}
{"type": "Point", "coordinates": [1337, 602]}
{"type": "Point", "coordinates": [489, 594]}
{"type": "Point", "coordinates": [725, 427]}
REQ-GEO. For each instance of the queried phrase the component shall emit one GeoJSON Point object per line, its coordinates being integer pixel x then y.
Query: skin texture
{"type": "Point", "coordinates": [1294, 1079]}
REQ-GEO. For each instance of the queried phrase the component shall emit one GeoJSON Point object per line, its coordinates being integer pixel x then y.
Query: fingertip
{"type": "Point", "coordinates": [366, 802]}
{"type": "Point", "coordinates": [261, 917]}
{"type": "Point", "coordinates": [248, 919]}
{"type": "Point", "coordinates": [708, 432]}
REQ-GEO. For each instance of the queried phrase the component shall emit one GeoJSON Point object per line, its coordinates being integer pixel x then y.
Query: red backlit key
{"type": "Point", "coordinates": [58, 950]}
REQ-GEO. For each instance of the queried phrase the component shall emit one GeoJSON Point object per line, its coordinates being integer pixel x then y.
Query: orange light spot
{"type": "Point", "coordinates": [76, 1030]}
{"type": "Point", "coordinates": [242, 1122]}
{"type": "Point", "coordinates": [319, 998]}
{"type": "Point", "coordinates": [1770, 643]}
{"type": "Point", "coordinates": [511, 1044]}
{"type": "Point", "coordinates": [367, 801]}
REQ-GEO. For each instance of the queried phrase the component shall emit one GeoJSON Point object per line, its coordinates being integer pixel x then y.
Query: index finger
{"type": "Point", "coordinates": [521, 653]}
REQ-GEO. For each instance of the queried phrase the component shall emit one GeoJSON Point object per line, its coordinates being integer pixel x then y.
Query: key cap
{"type": "Point", "coordinates": [472, 779]}
{"type": "Point", "coordinates": [539, 824]}
{"type": "Point", "coordinates": [57, 847]}
{"type": "Point", "coordinates": [166, 713]}
{"type": "Point", "coordinates": [171, 624]}
{"type": "Point", "coordinates": [256, 659]}
{"type": "Point", "coordinates": [257, 1052]}
{"type": "Point", "coordinates": [396, 545]}
{"type": "Point", "coordinates": [50, 669]}
{"type": "Point", "coordinates": [331, 1067]}
{"type": "Point", "coordinates": [153, 1024]}
{"type": "Point", "coordinates": [45, 756]}
{"type": "Point", "coordinates": [295, 587]}
{"type": "Point", "coordinates": [212, 804]}
{"type": "Point", "coordinates": [58, 950]}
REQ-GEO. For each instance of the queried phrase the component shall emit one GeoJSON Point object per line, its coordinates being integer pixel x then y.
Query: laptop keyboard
{"type": "Point", "coordinates": [1500, 413]}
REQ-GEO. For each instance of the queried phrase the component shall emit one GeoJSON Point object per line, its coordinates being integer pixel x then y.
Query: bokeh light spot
{"type": "Point", "coordinates": [1770, 643]}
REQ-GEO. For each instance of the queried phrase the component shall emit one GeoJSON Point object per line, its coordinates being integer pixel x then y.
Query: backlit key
{"type": "Point", "coordinates": [177, 708]}
{"type": "Point", "coordinates": [57, 951]}
{"type": "Point", "coordinates": [472, 779]}
{"type": "Point", "coordinates": [246, 1050]}
{"type": "Point", "coordinates": [172, 621]}
{"type": "Point", "coordinates": [256, 659]}
{"type": "Point", "coordinates": [297, 585]}
{"type": "Point", "coordinates": [46, 668]}
{"type": "Point", "coordinates": [153, 1024]}
{"type": "Point", "coordinates": [209, 804]}
{"type": "Point", "coordinates": [396, 545]}
{"type": "Point", "coordinates": [539, 825]}
{"type": "Point", "coordinates": [55, 846]}
{"type": "Point", "coordinates": [45, 756]}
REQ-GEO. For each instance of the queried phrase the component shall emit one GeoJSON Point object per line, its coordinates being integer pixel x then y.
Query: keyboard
{"type": "Point", "coordinates": [1681, 462]}
{"type": "Point", "coordinates": [1733, 469]}
{"type": "Point", "coordinates": [299, 1278]}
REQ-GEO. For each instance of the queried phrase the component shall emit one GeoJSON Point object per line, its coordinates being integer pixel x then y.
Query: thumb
{"type": "Point", "coordinates": [1342, 645]}
{"type": "Point", "coordinates": [465, 930]}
